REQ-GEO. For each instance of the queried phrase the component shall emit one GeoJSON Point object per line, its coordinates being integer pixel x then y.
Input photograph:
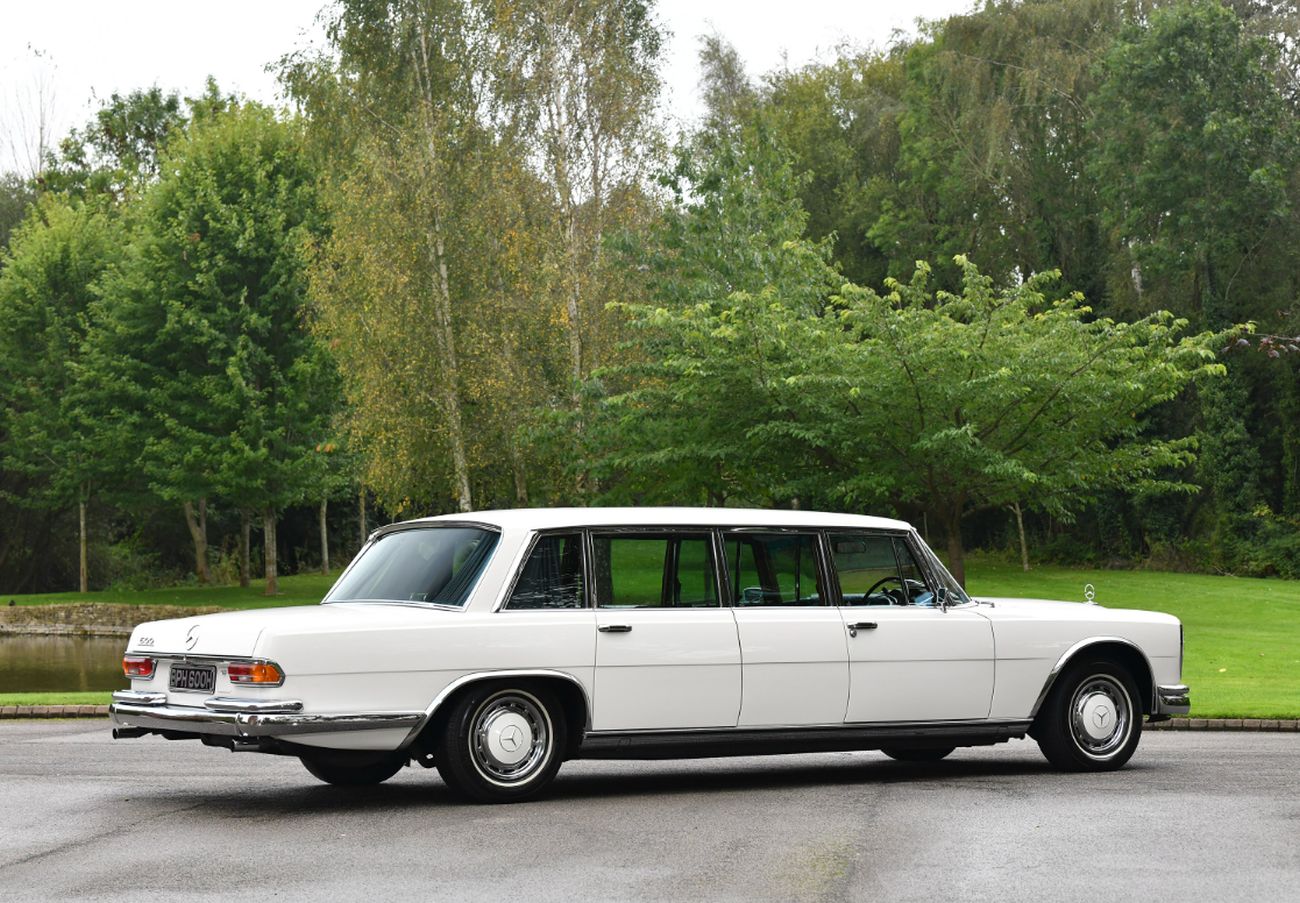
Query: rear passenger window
{"type": "Point", "coordinates": [671, 570]}
{"type": "Point", "coordinates": [552, 575]}
{"type": "Point", "coordinates": [774, 568]}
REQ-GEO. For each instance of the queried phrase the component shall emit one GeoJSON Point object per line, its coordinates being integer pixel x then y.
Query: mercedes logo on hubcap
{"type": "Point", "coordinates": [510, 738]}
{"type": "Point", "coordinates": [1100, 715]}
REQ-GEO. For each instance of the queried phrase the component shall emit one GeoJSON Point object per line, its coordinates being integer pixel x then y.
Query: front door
{"type": "Point", "coordinates": [909, 659]}
{"type": "Point", "coordinates": [667, 656]}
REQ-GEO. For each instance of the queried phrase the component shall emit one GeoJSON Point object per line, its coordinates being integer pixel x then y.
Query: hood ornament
{"type": "Point", "coordinates": [1089, 594]}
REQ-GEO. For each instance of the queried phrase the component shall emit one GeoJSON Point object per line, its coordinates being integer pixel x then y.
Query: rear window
{"type": "Point", "coordinates": [436, 565]}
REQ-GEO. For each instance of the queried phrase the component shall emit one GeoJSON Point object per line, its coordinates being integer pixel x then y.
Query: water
{"type": "Point", "coordinates": [60, 663]}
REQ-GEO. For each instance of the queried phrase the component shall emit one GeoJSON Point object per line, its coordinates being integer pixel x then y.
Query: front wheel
{"type": "Point", "coordinates": [1091, 720]}
{"type": "Point", "coordinates": [352, 770]}
{"type": "Point", "coordinates": [502, 743]}
{"type": "Point", "coordinates": [912, 754]}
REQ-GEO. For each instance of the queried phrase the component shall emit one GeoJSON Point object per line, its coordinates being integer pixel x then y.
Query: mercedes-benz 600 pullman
{"type": "Point", "coordinates": [496, 645]}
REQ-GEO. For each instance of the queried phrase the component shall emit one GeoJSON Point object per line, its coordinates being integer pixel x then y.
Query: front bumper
{"type": "Point", "coordinates": [134, 713]}
{"type": "Point", "coordinates": [1171, 699]}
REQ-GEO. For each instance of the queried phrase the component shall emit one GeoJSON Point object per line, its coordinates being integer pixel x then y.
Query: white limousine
{"type": "Point", "coordinates": [495, 645]}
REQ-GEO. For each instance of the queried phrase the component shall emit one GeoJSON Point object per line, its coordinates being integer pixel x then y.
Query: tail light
{"type": "Point", "coordinates": [140, 666]}
{"type": "Point", "coordinates": [265, 674]}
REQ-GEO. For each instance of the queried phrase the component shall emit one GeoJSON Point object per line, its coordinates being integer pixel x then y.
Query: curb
{"type": "Point", "coordinates": [1287, 725]}
{"type": "Point", "coordinates": [1265, 725]}
{"type": "Point", "coordinates": [53, 711]}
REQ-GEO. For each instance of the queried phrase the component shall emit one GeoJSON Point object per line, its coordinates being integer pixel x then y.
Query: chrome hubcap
{"type": "Point", "coordinates": [1100, 716]}
{"type": "Point", "coordinates": [511, 737]}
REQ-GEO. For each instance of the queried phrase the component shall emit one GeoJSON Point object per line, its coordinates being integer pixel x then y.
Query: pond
{"type": "Point", "coordinates": [31, 664]}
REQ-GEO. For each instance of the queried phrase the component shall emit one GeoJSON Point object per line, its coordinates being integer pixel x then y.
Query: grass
{"type": "Point", "coordinates": [300, 589]}
{"type": "Point", "coordinates": [1243, 634]}
{"type": "Point", "coordinates": [83, 698]}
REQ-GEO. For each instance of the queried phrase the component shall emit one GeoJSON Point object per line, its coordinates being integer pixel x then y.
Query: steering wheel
{"type": "Point", "coordinates": [881, 582]}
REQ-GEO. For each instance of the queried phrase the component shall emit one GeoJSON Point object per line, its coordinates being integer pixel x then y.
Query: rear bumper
{"type": "Point", "coordinates": [133, 714]}
{"type": "Point", "coordinates": [1171, 699]}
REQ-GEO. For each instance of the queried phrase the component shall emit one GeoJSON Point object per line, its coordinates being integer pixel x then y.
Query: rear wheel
{"type": "Point", "coordinates": [502, 744]}
{"type": "Point", "coordinates": [352, 770]}
{"type": "Point", "coordinates": [914, 754]}
{"type": "Point", "coordinates": [1091, 720]}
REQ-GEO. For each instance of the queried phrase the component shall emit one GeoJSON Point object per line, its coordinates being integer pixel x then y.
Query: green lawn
{"type": "Point", "coordinates": [302, 589]}
{"type": "Point", "coordinates": [1243, 634]}
{"type": "Point", "coordinates": [88, 698]}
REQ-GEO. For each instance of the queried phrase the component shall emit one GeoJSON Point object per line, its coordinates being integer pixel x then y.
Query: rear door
{"type": "Point", "coordinates": [667, 656]}
{"type": "Point", "coordinates": [909, 659]}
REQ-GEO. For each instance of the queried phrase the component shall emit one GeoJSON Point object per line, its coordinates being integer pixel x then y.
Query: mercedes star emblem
{"type": "Point", "coordinates": [510, 738]}
{"type": "Point", "coordinates": [1099, 716]}
{"type": "Point", "coordinates": [192, 638]}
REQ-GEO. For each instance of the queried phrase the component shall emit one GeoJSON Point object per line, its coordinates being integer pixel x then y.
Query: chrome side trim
{"type": "Point", "coordinates": [138, 697]}
{"type": "Point", "coordinates": [477, 676]}
{"type": "Point", "coordinates": [234, 704]}
{"type": "Point", "coordinates": [1079, 647]}
{"type": "Point", "coordinates": [251, 724]}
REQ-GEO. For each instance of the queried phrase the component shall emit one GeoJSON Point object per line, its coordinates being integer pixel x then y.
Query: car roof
{"type": "Point", "coordinates": [558, 518]}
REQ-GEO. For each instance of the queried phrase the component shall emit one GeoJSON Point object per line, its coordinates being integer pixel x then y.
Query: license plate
{"type": "Point", "coordinates": [193, 679]}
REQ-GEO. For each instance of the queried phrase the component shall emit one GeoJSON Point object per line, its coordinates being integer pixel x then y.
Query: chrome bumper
{"type": "Point", "coordinates": [1171, 699]}
{"type": "Point", "coordinates": [231, 717]}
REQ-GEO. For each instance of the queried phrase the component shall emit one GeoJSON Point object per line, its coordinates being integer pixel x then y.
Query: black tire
{"type": "Point", "coordinates": [345, 770]}
{"type": "Point", "coordinates": [914, 754]}
{"type": "Point", "coordinates": [1091, 719]}
{"type": "Point", "coordinates": [503, 743]}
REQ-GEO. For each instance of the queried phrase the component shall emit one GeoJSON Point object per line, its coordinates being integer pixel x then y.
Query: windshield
{"type": "Point", "coordinates": [435, 565]}
{"type": "Point", "coordinates": [949, 590]}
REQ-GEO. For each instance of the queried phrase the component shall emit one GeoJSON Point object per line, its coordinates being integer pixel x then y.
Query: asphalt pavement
{"type": "Point", "coordinates": [1195, 816]}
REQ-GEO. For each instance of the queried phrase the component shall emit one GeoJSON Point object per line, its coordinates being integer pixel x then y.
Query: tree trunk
{"type": "Point", "coordinates": [245, 529]}
{"type": "Point", "coordinates": [198, 526]}
{"type": "Point", "coordinates": [361, 506]}
{"type": "Point", "coordinates": [268, 550]}
{"type": "Point", "coordinates": [956, 551]}
{"type": "Point", "coordinates": [1020, 527]}
{"type": "Point", "coordinates": [324, 540]}
{"type": "Point", "coordinates": [83, 571]}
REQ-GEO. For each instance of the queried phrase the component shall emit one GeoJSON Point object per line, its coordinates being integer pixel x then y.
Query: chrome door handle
{"type": "Point", "coordinates": [615, 628]}
{"type": "Point", "coordinates": [862, 625]}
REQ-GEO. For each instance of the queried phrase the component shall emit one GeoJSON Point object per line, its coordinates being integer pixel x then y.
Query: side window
{"type": "Point", "coordinates": [773, 568]}
{"type": "Point", "coordinates": [917, 592]}
{"type": "Point", "coordinates": [552, 575]}
{"type": "Point", "coordinates": [867, 569]}
{"type": "Point", "coordinates": [670, 570]}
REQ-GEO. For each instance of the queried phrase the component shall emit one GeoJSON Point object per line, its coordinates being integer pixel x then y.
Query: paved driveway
{"type": "Point", "coordinates": [1204, 816]}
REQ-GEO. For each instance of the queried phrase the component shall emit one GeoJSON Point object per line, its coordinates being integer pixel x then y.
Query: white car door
{"type": "Point", "coordinates": [667, 656]}
{"type": "Point", "coordinates": [793, 646]}
{"type": "Point", "coordinates": [909, 659]}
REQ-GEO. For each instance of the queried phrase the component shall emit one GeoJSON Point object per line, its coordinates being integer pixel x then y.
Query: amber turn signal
{"type": "Point", "coordinates": [254, 673]}
{"type": "Point", "coordinates": [137, 666]}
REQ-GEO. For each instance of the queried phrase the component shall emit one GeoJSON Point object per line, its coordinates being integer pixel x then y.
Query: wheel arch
{"type": "Point", "coordinates": [566, 687]}
{"type": "Point", "coordinates": [1117, 649]}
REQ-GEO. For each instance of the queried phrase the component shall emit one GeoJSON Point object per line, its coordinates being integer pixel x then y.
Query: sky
{"type": "Point", "coordinates": [65, 57]}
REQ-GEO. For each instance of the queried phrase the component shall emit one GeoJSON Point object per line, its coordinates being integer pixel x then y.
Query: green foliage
{"type": "Point", "coordinates": [205, 366]}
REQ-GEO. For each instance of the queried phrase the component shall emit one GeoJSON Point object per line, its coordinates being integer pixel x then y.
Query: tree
{"type": "Point", "coordinates": [49, 459]}
{"type": "Point", "coordinates": [789, 386]}
{"type": "Point", "coordinates": [225, 389]}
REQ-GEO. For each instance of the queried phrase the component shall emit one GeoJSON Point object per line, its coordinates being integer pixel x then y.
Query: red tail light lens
{"type": "Point", "coordinates": [264, 673]}
{"type": "Point", "coordinates": [137, 666]}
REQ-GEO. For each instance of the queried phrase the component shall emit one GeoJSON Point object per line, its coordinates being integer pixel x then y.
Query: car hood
{"type": "Point", "coordinates": [238, 634]}
{"type": "Point", "coordinates": [1056, 610]}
